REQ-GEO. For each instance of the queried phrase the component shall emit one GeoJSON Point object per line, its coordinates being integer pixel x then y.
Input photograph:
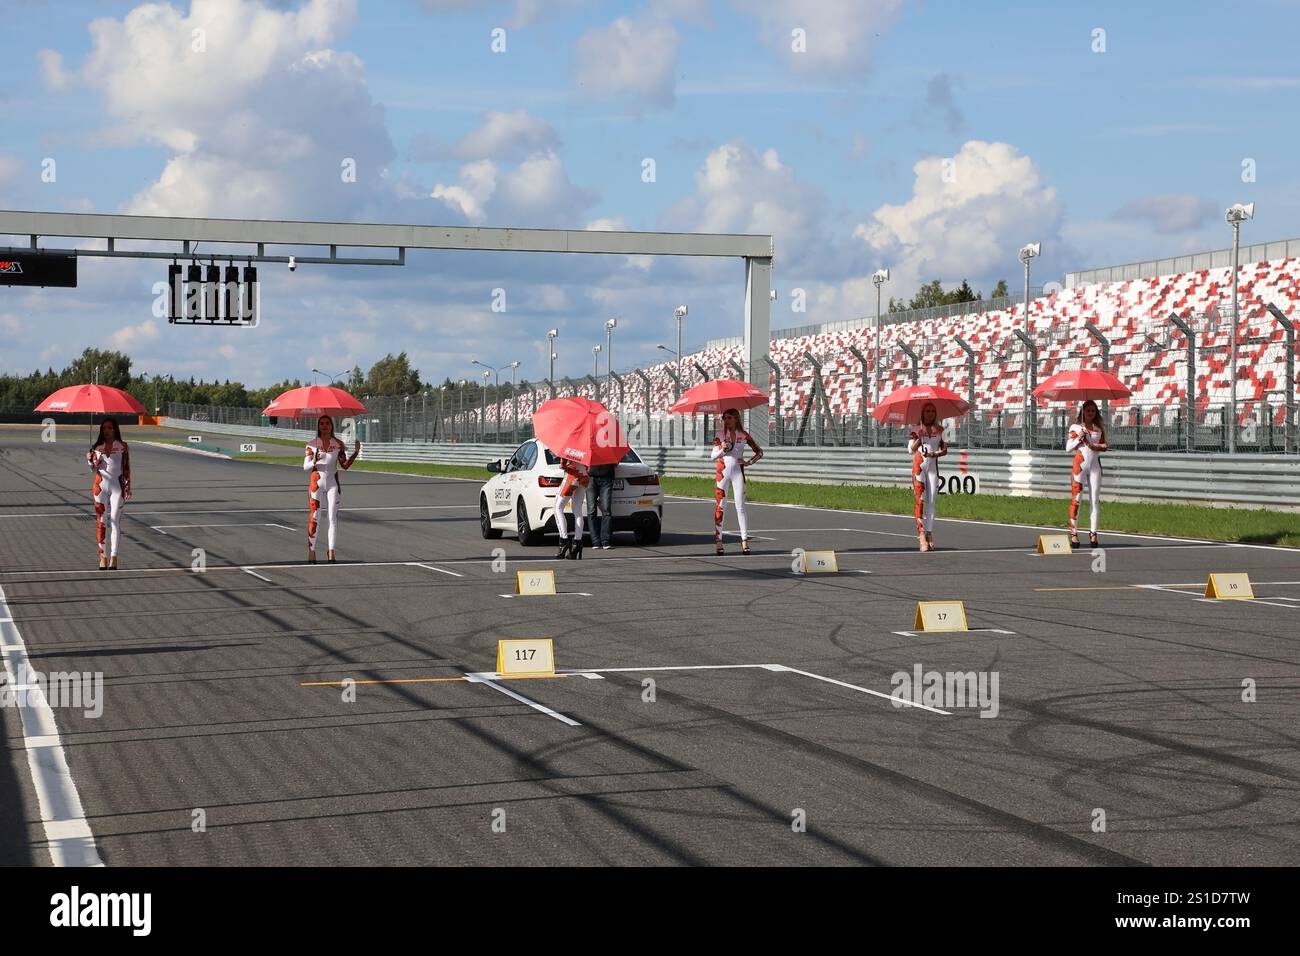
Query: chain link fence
{"type": "Point", "coordinates": [821, 388]}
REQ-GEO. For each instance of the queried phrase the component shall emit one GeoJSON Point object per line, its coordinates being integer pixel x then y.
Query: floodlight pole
{"type": "Point", "coordinates": [970, 372]}
{"type": "Point", "coordinates": [1031, 379]}
{"type": "Point", "coordinates": [1288, 330]}
{"type": "Point", "coordinates": [1188, 331]}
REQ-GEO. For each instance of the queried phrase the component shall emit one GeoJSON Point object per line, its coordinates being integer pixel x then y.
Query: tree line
{"type": "Point", "coordinates": [392, 375]}
{"type": "Point", "coordinates": [933, 293]}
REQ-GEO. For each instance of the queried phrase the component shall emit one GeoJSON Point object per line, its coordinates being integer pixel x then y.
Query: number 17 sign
{"type": "Point", "coordinates": [530, 657]}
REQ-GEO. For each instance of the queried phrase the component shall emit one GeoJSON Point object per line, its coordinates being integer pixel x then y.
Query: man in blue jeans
{"type": "Point", "coordinates": [600, 494]}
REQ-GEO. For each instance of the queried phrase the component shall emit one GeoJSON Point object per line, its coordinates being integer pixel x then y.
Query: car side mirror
{"type": "Point", "coordinates": [494, 467]}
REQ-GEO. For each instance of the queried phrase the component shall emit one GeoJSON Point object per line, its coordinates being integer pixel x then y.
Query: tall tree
{"type": "Point", "coordinates": [392, 375]}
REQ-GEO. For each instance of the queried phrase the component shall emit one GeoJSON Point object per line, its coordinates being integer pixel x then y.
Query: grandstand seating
{"type": "Point", "coordinates": [1145, 350]}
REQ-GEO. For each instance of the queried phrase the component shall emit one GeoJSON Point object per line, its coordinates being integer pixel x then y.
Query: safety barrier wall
{"type": "Point", "coordinates": [249, 431]}
{"type": "Point", "coordinates": [1258, 481]}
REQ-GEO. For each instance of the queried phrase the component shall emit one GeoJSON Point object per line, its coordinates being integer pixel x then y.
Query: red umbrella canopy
{"type": "Point", "coordinates": [580, 430]}
{"type": "Point", "coordinates": [313, 400]}
{"type": "Point", "coordinates": [1079, 385]}
{"type": "Point", "coordinates": [96, 399]}
{"type": "Point", "coordinates": [903, 406]}
{"type": "Point", "coordinates": [715, 397]}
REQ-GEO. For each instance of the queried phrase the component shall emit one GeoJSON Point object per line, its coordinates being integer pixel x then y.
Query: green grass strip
{"type": "Point", "coordinates": [1177, 521]}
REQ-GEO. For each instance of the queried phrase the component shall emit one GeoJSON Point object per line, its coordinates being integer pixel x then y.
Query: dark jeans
{"type": "Point", "coordinates": [600, 493]}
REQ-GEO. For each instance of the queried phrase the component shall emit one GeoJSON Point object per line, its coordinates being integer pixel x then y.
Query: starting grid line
{"type": "Point", "coordinates": [492, 679]}
{"type": "Point", "coordinates": [67, 831]}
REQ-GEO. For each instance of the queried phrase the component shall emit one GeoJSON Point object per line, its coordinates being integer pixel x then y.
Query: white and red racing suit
{"type": "Point", "coordinates": [111, 465]}
{"type": "Point", "coordinates": [323, 460]}
{"type": "Point", "coordinates": [927, 446]}
{"type": "Point", "coordinates": [1087, 470]}
{"type": "Point", "coordinates": [575, 477]}
{"type": "Point", "coordinates": [729, 453]}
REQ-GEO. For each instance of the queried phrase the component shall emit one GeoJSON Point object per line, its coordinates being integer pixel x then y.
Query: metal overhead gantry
{"type": "Point", "coordinates": [756, 251]}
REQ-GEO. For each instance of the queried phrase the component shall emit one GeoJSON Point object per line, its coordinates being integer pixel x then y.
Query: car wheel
{"type": "Point", "coordinates": [485, 520]}
{"type": "Point", "coordinates": [527, 536]}
{"type": "Point", "coordinates": [648, 530]}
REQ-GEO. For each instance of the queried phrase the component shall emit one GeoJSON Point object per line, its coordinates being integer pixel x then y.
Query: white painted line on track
{"type": "Point", "coordinates": [256, 575]}
{"type": "Point", "coordinates": [251, 524]}
{"type": "Point", "coordinates": [777, 668]}
{"type": "Point", "coordinates": [556, 594]}
{"type": "Point", "coordinates": [67, 832]}
{"type": "Point", "coordinates": [969, 630]}
{"type": "Point", "coordinates": [430, 567]}
{"type": "Point", "coordinates": [242, 511]}
{"type": "Point", "coordinates": [485, 679]}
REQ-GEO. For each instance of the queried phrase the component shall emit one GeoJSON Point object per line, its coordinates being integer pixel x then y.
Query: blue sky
{"type": "Point", "coordinates": [837, 150]}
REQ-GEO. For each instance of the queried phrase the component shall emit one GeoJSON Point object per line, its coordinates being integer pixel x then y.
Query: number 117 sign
{"type": "Point", "coordinates": [531, 657]}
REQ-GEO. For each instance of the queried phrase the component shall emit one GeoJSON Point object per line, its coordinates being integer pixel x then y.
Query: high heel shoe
{"type": "Point", "coordinates": [575, 552]}
{"type": "Point", "coordinates": [564, 550]}
{"type": "Point", "coordinates": [112, 563]}
{"type": "Point", "coordinates": [922, 546]}
{"type": "Point", "coordinates": [311, 556]}
{"type": "Point", "coordinates": [331, 558]}
{"type": "Point", "coordinates": [717, 545]}
{"type": "Point", "coordinates": [1074, 539]}
{"type": "Point", "coordinates": [103, 563]}
{"type": "Point", "coordinates": [929, 541]}
{"type": "Point", "coordinates": [1092, 538]}
{"type": "Point", "coordinates": [744, 546]}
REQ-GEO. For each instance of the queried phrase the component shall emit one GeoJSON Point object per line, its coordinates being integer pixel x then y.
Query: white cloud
{"type": "Point", "coordinates": [477, 183]}
{"type": "Point", "coordinates": [741, 190]}
{"type": "Point", "coordinates": [502, 136]}
{"type": "Point", "coordinates": [55, 78]}
{"type": "Point", "coordinates": [536, 192]}
{"type": "Point", "coordinates": [968, 228]}
{"type": "Point", "coordinates": [10, 168]}
{"type": "Point", "coordinates": [259, 122]}
{"type": "Point", "coordinates": [131, 336]}
{"type": "Point", "coordinates": [839, 33]}
{"type": "Point", "coordinates": [1169, 213]}
{"type": "Point", "coordinates": [631, 58]}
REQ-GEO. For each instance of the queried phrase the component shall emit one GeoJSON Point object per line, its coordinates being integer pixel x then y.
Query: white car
{"type": "Point", "coordinates": [520, 496]}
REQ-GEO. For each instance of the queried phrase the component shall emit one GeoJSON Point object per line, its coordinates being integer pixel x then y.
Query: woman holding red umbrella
{"type": "Point", "coordinates": [927, 446]}
{"type": "Point", "coordinates": [110, 461]}
{"type": "Point", "coordinates": [1087, 437]}
{"type": "Point", "coordinates": [576, 479]}
{"type": "Point", "coordinates": [1087, 440]}
{"type": "Point", "coordinates": [729, 452]}
{"type": "Point", "coordinates": [324, 456]}
{"type": "Point", "coordinates": [925, 407]}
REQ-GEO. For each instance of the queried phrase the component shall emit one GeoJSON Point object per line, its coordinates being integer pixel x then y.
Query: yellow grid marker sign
{"type": "Point", "coordinates": [534, 582]}
{"type": "Point", "coordinates": [940, 616]}
{"type": "Point", "coordinates": [819, 562]}
{"type": "Point", "coordinates": [530, 657]}
{"type": "Point", "coordinates": [1053, 544]}
{"type": "Point", "coordinates": [1230, 587]}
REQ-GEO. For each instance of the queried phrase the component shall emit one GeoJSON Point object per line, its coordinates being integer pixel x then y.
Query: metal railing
{"type": "Point", "coordinates": [1175, 265]}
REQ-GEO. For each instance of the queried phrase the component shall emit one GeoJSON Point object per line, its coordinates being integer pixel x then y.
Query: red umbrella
{"type": "Point", "coordinates": [581, 430]}
{"type": "Point", "coordinates": [1079, 385]}
{"type": "Point", "coordinates": [903, 406]}
{"type": "Point", "coordinates": [313, 400]}
{"type": "Point", "coordinates": [96, 399]}
{"type": "Point", "coordinates": [714, 398]}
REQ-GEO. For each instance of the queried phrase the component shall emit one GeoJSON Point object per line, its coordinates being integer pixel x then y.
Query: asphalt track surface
{"type": "Point", "coordinates": [1113, 697]}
